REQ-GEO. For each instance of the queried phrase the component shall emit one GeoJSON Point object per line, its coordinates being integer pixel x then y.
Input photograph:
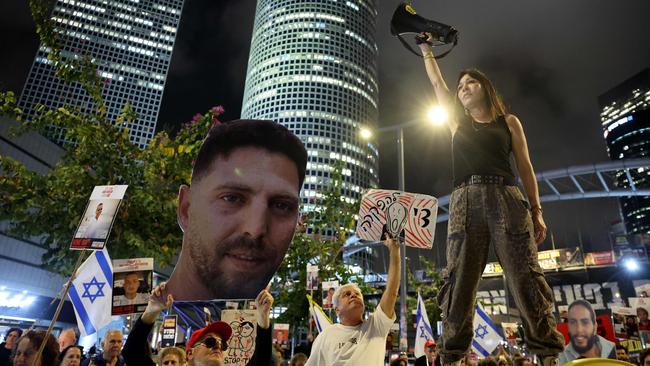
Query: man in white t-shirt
{"type": "Point", "coordinates": [131, 295]}
{"type": "Point", "coordinates": [354, 341]}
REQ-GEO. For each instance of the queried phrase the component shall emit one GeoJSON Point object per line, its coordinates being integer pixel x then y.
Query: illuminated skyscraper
{"type": "Point", "coordinates": [625, 116]}
{"type": "Point", "coordinates": [313, 68]}
{"type": "Point", "coordinates": [131, 41]}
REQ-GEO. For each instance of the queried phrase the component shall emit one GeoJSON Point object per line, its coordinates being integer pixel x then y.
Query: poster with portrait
{"type": "Point", "coordinates": [281, 335]}
{"type": "Point", "coordinates": [97, 220]}
{"type": "Point", "coordinates": [624, 321]}
{"type": "Point", "coordinates": [242, 342]}
{"type": "Point", "coordinates": [511, 332]}
{"type": "Point", "coordinates": [571, 257]}
{"type": "Point", "coordinates": [132, 285]}
{"type": "Point", "coordinates": [329, 287]}
{"type": "Point", "coordinates": [410, 215]}
{"type": "Point", "coordinates": [312, 277]}
{"type": "Point", "coordinates": [587, 332]}
{"type": "Point", "coordinates": [642, 290]}
{"type": "Point", "coordinates": [641, 307]}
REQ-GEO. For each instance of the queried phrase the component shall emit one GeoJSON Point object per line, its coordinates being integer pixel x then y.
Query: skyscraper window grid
{"type": "Point", "coordinates": [131, 42]}
{"type": "Point", "coordinates": [312, 67]}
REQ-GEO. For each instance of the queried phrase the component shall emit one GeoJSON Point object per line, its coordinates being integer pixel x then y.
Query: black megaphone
{"type": "Point", "coordinates": [406, 21]}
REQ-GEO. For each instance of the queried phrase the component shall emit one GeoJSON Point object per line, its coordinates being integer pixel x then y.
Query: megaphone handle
{"type": "Point", "coordinates": [410, 48]}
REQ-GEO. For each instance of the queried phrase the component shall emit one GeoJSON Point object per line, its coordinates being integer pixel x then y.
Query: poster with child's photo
{"type": "Point", "coordinates": [329, 288]}
{"type": "Point", "coordinates": [132, 284]}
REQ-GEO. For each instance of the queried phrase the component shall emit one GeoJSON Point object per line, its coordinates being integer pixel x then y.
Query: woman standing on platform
{"type": "Point", "coordinates": [487, 207]}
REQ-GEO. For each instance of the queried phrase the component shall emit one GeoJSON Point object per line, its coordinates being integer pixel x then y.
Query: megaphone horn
{"type": "Point", "coordinates": [406, 21]}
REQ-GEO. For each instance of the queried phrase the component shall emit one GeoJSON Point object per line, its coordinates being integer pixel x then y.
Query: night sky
{"type": "Point", "coordinates": [549, 59]}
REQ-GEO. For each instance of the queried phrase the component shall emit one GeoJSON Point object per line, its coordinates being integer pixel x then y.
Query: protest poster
{"type": "Point", "coordinates": [132, 285]}
{"type": "Point", "coordinates": [624, 321]}
{"type": "Point", "coordinates": [168, 338]}
{"type": "Point", "coordinates": [329, 287]}
{"type": "Point", "coordinates": [511, 332]}
{"type": "Point", "coordinates": [242, 342]}
{"type": "Point", "coordinates": [410, 215]}
{"type": "Point", "coordinates": [312, 277]}
{"type": "Point", "coordinates": [97, 220]}
{"type": "Point", "coordinates": [281, 335]}
{"type": "Point", "coordinates": [641, 306]}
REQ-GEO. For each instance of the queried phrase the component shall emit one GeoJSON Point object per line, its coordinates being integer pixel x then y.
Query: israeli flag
{"type": "Point", "coordinates": [423, 331]}
{"type": "Point", "coordinates": [322, 321]}
{"type": "Point", "coordinates": [486, 335]}
{"type": "Point", "coordinates": [91, 292]}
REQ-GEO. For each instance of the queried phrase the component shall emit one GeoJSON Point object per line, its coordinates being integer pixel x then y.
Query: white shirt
{"type": "Point", "coordinates": [139, 299]}
{"type": "Point", "coordinates": [364, 344]}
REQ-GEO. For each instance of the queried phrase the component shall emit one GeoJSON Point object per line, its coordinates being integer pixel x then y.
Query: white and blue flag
{"type": "Point", "coordinates": [322, 321]}
{"type": "Point", "coordinates": [423, 331]}
{"type": "Point", "coordinates": [91, 292]}
{"type": "Point", "coordinates": [486, 336]}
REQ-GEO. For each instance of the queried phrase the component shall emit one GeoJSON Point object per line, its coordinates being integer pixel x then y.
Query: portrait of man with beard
{"type": "Point", "coordinates": [583, 338]}
{"type": "Point", "coordinates": [240, 212]}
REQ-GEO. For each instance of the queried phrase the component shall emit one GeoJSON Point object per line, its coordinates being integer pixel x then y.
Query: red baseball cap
{"type": "Point", "coordinates": [429, 343]}
{"type": "Point", "coordinates": [219, 328]}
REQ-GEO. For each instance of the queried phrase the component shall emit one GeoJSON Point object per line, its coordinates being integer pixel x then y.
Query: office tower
{"type": "Point", "coordinates": [131, 42]}
{"type": "Point", "coordinates": [313, 68]}
{"type": "Point", "coordinates": [625, 118]}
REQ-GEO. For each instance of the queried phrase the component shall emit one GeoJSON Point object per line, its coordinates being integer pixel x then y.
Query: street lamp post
{"type": "Point", "coordinates": [403, 339]}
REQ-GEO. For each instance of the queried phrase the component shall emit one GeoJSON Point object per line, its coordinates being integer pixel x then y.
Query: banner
{"type": "Point", "coordinates": [312, 277]}
{"type": "Point", "coordinates": [168, 338]}
{"type": "Point", "coordinates": [91, 292]}
{"type": "Point", "coordinates": [97, 220]}
{"type": "Point", "coordinates": [132, 285]}
{"type": "Point", "coordinates": [599, 258]}
{"type": "Point", "coordinates": [398, 213]}
{"type": "Point", "coordinates": [242, 342]}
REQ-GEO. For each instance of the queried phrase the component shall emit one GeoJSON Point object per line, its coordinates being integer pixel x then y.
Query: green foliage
{"type": "Point", "coordinates": [47, 208]}
{"type": "Point", "coordinates": [330, 224]}
{"type": "Point", "coordinates": [428, 289]}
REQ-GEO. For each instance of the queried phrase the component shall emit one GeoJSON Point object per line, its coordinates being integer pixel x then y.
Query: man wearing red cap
{"type": "Point", "coordinates": [430, 355]}
{"type": "Point", "coordinates": [207, 345]}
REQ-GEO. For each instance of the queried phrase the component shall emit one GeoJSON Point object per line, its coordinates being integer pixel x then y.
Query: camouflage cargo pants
{"type": "Point", "coordinates": [481, 214]}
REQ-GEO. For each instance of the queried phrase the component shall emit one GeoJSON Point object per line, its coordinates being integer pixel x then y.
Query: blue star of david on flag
{"type": "Point", "coordinates": [98, 293]}
{"type": "Point", "coordinates": [480, 331]}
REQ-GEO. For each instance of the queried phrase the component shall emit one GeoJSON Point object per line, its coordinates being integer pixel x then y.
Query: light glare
{"type": "Point", "coordinates": [437, 115]}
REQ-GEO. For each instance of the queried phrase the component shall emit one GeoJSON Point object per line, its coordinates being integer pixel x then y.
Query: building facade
{"type": "Point", "coordinates": [625, 117]}
{"type": "Point", "coordinates": [313, 68]}
{"type": "Point", "coordinates": [131, 42]}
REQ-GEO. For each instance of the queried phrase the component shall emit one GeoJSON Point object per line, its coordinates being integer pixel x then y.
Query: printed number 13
{"type": "Point", "coordinates": [425, 217]}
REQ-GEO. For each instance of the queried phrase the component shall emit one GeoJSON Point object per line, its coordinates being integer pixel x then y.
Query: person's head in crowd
{"type": "Point", "coordinates": [27, 346]}
{"type": "Point", "coordinates": [621, 353]}
{"type": "Point", "coordinates": [642, 314]}
{"type": "Point", "coordinates": [207, 346]}
{"type": "Point", "coordinates": [348, 304]}
{"type": "Point", "coordinates": [247, 177]}
{"type": "Point", "coordinates": [131, 285]}
{"type": "Point", "coordinates": [11, 336]}
{"type": "Point", "coordinates": [488, 361]}
{"type": "Point", "coordinates": [644, 357]}
{"type": "Point", "coordinates": [398, 362]}
{"type": "Point", "coordinates": [172, 356]}
{"type": "Point", "coordinates": [278, 355]}
{"type": "Point", "coordinates": [582, 326]}
{"type": "Point", "coordinates": [299, 359]}
{"type": "Point", "coordinates": [67, 337]}
{"type": "Point", "coordinates": [430, 350]}
{"type": "Point", "coordinates": [112, 345]}
{"type": "Point", "coordinates": [70, 356]}
{"type": "Point", "coordinates": [98, 210]}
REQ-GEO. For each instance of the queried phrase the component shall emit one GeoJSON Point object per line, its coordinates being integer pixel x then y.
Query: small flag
{"type": "Point", "coordinates": [322, 320]}
{"type": "Point", "coordinates": [91, 292]}
{"type": "Point", "coordinates": [423, 332]}
{"type": "Point", "coordinates": [486, 335]}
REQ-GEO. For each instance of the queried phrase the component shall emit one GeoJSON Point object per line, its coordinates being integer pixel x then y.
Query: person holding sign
{"type": "Point", "coordinates": [487, 206]}
{"type": "Point", "coordinates": [354, 341]}
{"type": "Point", "coordinates": [206, 345]}
{"type": "Point", "coordinates": [239, 215]}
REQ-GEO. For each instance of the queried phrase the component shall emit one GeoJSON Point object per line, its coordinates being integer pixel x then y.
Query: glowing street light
{"type": "Point", "coordinates": [437, 115]}
{"type": "Point", "coordinates": [631, 264]}
{"type": "Point", "coordinates": [365, 133]}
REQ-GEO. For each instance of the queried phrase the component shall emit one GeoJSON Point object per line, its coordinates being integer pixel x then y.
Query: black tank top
{"type": "Point", "coordinates": [481, 149]}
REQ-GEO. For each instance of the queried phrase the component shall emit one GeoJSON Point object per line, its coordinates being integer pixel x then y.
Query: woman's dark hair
{"type": "Point", "coordinates": [20, 332]}
{"type": "Point", "coordinates": [493, 100]}
{"type": "Point", "coordinates": [50, 355]}
{"type": "Point", "coordinates": [65, 350]}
